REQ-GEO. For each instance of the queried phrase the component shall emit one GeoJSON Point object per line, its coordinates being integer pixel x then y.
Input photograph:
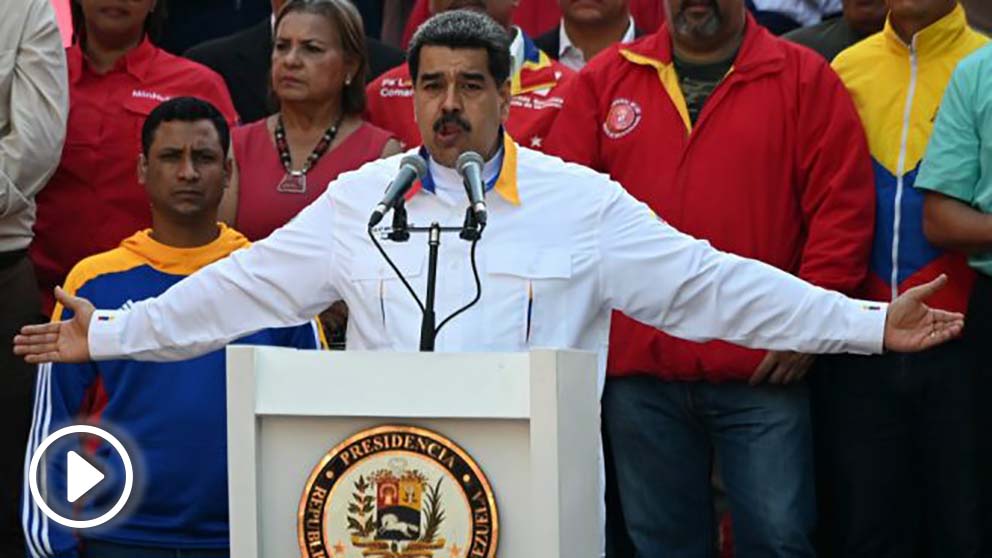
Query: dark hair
{"type": "Point", "coordinates": [464, 29]}
{"type": "Point", "coordinates": [347, 22]}
{"type": "Point", "coordinates": [154, 23]}
{"type": "Point", "coordinates": [184, 109]}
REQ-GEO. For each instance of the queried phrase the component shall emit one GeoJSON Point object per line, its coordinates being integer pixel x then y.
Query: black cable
{"type": "Point", "coordinates": [478, 288]}
{"type": "Point", "coordinates": [398, 273]}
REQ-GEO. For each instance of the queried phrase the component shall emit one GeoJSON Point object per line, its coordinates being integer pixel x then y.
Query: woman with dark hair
{"type": "Point", "coordinates": [285, 161]}
{"type": "Point", "coordinates": [116, 77]}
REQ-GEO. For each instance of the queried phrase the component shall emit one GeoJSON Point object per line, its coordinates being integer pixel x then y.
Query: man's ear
{"type": "Point", "coordinates": [228, 167]}
{"type": "Point", "coordinates": [505, 94]}
{"type": "Point", "coordinates": [142, 168]}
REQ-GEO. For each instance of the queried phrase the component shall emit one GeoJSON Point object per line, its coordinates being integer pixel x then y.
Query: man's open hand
{"type": "Point", "coordinates": [59, 341]}
{"type": "Point", "coordinates": [911, 325]}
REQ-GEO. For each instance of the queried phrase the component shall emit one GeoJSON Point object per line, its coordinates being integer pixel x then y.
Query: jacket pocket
{"type": "Point", "coordinates": [528, 291]}
{"type": "Point", "coordinates": [387, 305]}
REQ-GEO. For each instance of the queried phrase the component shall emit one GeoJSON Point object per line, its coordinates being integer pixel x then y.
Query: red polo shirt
{"type": "Point", "coordinates": [94, 200]}
{"type": "Point", "coordinates": [775, 168]}
{"type": "Point", "coordinates": [537, 98]}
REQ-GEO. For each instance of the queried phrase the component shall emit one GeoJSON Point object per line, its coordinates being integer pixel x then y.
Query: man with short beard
{"type": "Point", "coordinates": [752, 143]}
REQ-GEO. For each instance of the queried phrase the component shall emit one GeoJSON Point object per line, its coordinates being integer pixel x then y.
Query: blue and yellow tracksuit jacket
{"type": "Point", "coordinates": [897, 88]}
{"type": "Point", "coordinates": [171, 416]}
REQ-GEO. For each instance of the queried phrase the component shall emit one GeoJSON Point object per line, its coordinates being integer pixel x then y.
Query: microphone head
{"type": "Point", "coordinates": [417, 163]}
{"type": "Point", "coordinates": [468, 158]}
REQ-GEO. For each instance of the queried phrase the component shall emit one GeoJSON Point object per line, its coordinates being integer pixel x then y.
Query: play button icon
{"type": "Point", "coordinates": [81, 477]}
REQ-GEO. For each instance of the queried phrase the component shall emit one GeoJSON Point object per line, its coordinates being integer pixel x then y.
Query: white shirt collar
{"type": "Point", "coordinates": [448, 183]}
{"type": "Point", "coordinates": [517, 53]}
{"type": "Point", "coordinates": [571, 56]}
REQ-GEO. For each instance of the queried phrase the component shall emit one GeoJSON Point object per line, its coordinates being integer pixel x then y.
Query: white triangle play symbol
{"type": "Point", "coordinates": [81, 477]}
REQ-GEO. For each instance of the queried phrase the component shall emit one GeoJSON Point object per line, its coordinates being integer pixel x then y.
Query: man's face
{"type": "Point", "coordinates": [866, 16]}
{"type": "Point", "coordinates": [704, 24]}
{"type": "Point", "coordinates": [500, 10]}
{"type": "Point", "coordinates": [186, 171]}
{"type": "Point", "coordinates": [919, 9]}
{"type": "Point", "coordinates": [593, 11]}
{"type": "Point", "coordinates": [116, 17]}
{"type": "Point", "coordinates": [458, 105]}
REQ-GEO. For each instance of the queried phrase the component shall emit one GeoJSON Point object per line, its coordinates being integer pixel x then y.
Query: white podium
{"type": "Point", "coordinates": [529, 420]}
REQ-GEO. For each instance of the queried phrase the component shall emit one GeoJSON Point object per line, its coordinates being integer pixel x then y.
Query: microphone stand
{"type": "Point", "coordinates": [400, 232]}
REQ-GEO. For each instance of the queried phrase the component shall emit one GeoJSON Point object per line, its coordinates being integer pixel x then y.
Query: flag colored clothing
{"type": "Point", "coordinates": [897, 89]}
{"type": "Point", "coordinates": [173, 414]}
{"type": "Point", "coordinates": [537, 86]}
{"type": "Point", "coordinates": [958, 161]}
{"type": "Point", "coordinates": [775, 168]}
{"type": "Point", "coordinates": [95, 187]}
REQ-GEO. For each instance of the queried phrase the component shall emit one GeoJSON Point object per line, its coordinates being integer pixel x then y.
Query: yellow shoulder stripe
{"type": "Point", "coordinates": [113, 261]}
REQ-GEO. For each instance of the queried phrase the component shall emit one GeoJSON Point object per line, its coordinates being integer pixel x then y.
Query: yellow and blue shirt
{"type": "Point", "coordinates": [897, 89]}
{"type": "Point", "coordinates": [173, 413]}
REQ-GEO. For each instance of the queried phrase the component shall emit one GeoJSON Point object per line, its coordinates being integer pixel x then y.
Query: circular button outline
{"type": "Point", "coordinates": [43, 505]}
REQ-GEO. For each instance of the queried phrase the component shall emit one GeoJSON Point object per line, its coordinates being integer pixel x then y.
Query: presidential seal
{"type": "Point", "coordinates": [397, 492]}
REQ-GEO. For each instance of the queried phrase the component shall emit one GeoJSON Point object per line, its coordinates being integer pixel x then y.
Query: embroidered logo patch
{"type": "Point", "coordinates": [623, 117]}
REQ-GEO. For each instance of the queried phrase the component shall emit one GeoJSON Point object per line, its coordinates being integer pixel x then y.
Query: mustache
{"type": "Point", "coordinates": [452, 118]}
{"type": "Point", "coordinates": [686, 4]}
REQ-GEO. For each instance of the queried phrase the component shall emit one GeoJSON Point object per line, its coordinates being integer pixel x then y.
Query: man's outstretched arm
{"type": "Point", "coordinates": [681, 285]}
{"type": "Point", "coordinates": [281, 281]}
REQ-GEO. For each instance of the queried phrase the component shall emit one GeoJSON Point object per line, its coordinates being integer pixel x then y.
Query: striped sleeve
{"type": "Point", "coordinates": [60, 390]}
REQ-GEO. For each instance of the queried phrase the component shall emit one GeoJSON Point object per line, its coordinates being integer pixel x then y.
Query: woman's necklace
{"type": "Point", "coordinates": [295, 182]}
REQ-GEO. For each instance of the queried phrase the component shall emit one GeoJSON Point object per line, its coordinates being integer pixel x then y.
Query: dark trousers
{"type": "Point", "coordinates": [20, 304]}
{"type": "Point", "coordinates": [662, 439]}
{"type": "Point", "coordinates": [896, 455]}
{"type": "Point", "coordinates": [978, 338]}
{"type": "Point", "coordinates": [101, 549]}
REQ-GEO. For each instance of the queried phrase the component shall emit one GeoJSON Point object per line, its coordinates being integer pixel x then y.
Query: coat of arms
{"type": "Point", "coordinates": [397, 492]}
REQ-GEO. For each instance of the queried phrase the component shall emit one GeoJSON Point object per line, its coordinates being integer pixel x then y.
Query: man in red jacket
{"type": "Point", "coordinates": [536, 84]}
{"type": "Point", "coordinates": [752, 143]}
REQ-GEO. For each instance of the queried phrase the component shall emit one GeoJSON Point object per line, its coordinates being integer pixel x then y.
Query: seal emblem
{"type": "Point", "coordinates": [397, 492]}
{"type": "Point", "coordinates": [623, 117]}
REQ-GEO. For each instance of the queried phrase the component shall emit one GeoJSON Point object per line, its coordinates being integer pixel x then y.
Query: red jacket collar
{"type": "Point", "coordinates": [136, 62]}
{"type": "Point", "coordinates": [760, 51]}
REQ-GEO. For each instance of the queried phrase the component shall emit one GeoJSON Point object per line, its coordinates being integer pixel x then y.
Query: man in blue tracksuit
{"type": "Point", "coordinates": [172, 416]}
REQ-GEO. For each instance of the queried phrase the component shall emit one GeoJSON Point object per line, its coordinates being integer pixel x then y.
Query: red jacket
{"type": "Point", "coordinates": [537, 98]}
{"type": "Point", "coordinates": [776, 168]}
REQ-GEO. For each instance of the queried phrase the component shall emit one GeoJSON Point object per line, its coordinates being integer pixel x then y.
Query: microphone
{"type": "Point", "coordinates": [469, 165]}
{"type": "Point", "coordinates": [412, 167]}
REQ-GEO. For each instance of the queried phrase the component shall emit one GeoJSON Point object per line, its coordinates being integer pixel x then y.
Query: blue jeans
{"type": "Point", "coordinates": [663, 438]}
{"type": "Point", "coordinates": [100, 549]}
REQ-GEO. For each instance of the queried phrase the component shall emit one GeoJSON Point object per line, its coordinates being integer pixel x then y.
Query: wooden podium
{"type": "Point", "coordinates": [529, 420]}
